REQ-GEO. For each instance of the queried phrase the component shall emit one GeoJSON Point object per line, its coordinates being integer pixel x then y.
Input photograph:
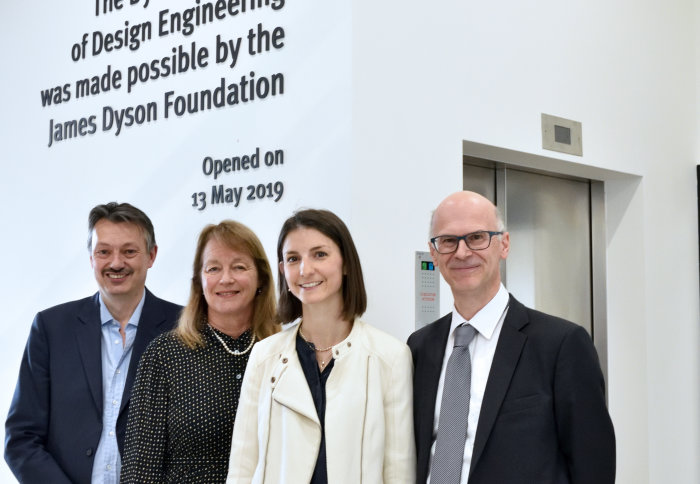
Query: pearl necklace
{"type": "Point", "coordinates": [233, 352]}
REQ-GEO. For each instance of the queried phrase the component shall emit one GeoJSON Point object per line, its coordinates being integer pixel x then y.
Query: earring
{"type": "Point", "coordinates": [258, 291]}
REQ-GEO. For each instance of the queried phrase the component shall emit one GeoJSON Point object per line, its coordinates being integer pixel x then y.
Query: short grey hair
{"type": "Point", "coordinates": [121, 213]}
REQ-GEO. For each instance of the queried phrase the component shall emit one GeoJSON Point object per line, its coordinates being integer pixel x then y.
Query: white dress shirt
{"type": "Point", "coordinates": [488, 323]}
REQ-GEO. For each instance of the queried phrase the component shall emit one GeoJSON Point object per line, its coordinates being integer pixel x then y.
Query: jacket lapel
{"type": "Point", "coordinates": [88, 336]}
{"type": "Point", "coordinates": [508, 350]}
{"type": "Point", "coordinates": [427, 374]}
{"type": "Point", "coordinates": [152, 316]}
{"type": "Point", "coordinates": [290, 387]}
{"type": "Point", "coordinates": [432, 366]}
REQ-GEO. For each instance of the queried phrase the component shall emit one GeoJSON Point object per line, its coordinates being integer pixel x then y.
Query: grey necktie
{"type": "Point", "coordinates": [454, 410]}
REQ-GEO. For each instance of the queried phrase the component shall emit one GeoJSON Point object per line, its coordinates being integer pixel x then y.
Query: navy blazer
{"type": "Point", "coordinates": [55, 419]}
{"type": "Point", "coordinates": [543, 418]}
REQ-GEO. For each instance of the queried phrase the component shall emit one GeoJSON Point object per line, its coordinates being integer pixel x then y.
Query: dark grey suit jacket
{"type": "Point", "coordinates": [543, 418]}
{"type": "Point", "coordinates": [55, 419]}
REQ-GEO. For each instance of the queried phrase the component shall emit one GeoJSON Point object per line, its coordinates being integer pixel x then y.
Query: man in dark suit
{"type": "Point", "coordinates": [535, 404]}
{"type": "Point", "coordinates": [68, 415]}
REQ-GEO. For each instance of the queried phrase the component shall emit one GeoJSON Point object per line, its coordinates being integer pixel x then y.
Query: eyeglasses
{"type": "Point", "coordinates": [479, 240]}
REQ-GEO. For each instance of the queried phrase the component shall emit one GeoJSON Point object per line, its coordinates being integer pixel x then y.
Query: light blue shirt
{"type": "Point", "coordinates": [116, 356]}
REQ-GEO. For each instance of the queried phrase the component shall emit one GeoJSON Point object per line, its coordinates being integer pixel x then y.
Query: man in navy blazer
{"type": "Point", "coordinates": [537, 410]}
{"type": "Point", "coordinates": [67, 419]}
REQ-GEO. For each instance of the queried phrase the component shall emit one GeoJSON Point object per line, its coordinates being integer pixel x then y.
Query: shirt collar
{"type": "Point", "coordinates": [487, 318]}
{"type": "Point", "coordinates": [106, 316]}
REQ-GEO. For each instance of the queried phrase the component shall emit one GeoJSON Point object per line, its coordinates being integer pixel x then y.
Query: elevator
{"type": "Point", "coordinates": [556, 262]}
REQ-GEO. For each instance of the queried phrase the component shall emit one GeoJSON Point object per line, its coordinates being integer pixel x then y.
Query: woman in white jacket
{"type": "Point", "coordinates": [328, 400]}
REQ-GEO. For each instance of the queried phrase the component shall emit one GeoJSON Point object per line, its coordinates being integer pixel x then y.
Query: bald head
{"type": "Point", "coordinates": [464, 203]}
{"type": "Point", "coordinates": [472, 274]}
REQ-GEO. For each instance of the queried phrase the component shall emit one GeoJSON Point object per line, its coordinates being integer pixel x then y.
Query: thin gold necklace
{"type": "Point", "coordinates": [318, 350]}
{"type": "Point", "coordinates": [312, 345]}
{"type": "Point", "coordinates": [233, 352]}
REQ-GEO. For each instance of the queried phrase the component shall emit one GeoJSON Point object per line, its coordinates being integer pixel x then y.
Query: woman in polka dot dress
{"type": "Point", "coordinates": [185, 396]}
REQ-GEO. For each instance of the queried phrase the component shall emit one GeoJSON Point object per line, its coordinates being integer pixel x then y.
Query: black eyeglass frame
{"type": "Point", "coordinates": [464, 238]}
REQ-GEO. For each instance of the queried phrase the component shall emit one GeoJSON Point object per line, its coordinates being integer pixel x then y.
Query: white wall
{"type": "Point", "coordinates": [381, 96]}
{"type": "Point", "coordinates": [428, 76]}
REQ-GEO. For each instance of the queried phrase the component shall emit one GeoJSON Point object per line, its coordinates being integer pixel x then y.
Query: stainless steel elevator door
{"type": "Point", "coordinates": [548, 218]}
{"type": "Point", "coordinates": [549, 265]}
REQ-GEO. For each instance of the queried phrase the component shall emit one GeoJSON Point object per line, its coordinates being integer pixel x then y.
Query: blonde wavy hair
{"type": "Point", "coordinates": [238, 237]}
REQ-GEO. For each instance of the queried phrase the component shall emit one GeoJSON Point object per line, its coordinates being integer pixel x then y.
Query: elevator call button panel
{"type": "Point", "coordinates": [427, 289]}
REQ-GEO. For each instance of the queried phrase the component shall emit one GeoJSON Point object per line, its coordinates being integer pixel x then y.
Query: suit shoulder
{"type": "Point", "coordinates": [429, 330]}
{"type": "Point", "coordinates": [167, 306]}
{"type": "Point", "coordinates": [546, 329]}
{"type": "Point", "coordinates": [171, 307]}
{"type": "Point", "coordinates": [68, 308]}
{"type": "Point", "coordinates": [550, 324]}
{"type": "Point", "coordinates": [55, 319]}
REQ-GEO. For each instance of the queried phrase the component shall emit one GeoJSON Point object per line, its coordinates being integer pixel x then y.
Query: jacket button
{"type": "Point", "coordinates": [88, 452]}
{"type": "Point", "coordinates": [284, 360]}
{"type": "Point", "coordinates": [349, 344]}
{"type": "Point", "coordinates": [337, 352]}
{"type": "Point", "coordinates": [272, 379]}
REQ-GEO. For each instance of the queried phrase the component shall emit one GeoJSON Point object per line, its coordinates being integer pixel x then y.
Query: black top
{"type": "Point", "coordinates": [317, 385]}
{"type": "Point", "coordinates": [182, 410]}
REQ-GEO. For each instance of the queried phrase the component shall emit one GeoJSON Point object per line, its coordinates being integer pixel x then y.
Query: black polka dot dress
{"type": "Point", "coordinates": [182, 409]}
